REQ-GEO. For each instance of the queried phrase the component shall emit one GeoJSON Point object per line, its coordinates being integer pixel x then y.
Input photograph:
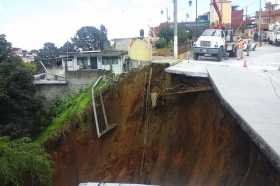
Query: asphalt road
{"type": "Point", "coordinates": [251, 93]}
{"type": "Point", "coordinates": [264, 61]}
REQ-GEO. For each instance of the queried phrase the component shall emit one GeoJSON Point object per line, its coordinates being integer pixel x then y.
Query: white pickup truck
{"type": "Point", "coordinates": [214, 43]}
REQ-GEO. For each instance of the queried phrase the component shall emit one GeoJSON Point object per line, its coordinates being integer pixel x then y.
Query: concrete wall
{"type": "Point", "coordinates": [50, 91]}
{"type": "Point", "coordinates": [137, 64]}
{"type": "Point", "coordinates": [121, 44]}
{"type": "Point", "coordinates": [75, 81]}
{"type": "Point", "coordinates": [140, 50]}
{"type": "Point", "coordinates": [83, 78]}
{"type": "Point", "coordinates": [55, 73]}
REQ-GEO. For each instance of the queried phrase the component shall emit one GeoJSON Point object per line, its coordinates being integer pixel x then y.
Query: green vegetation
{"type": "Point", "coordinates": [22, 161]}
{"type": "Point", "coordinates": [161, 43]}
{"type": "Point", "coordinates": [166, 35]}
{"type": "Point", "coordinates": [30, 66]}
{"type": "Point", "coordinates": [47, 55]}
{"type": "Point", "coordinates": [90, 38]}
{"type": "Point", "coordinates": [72, 110]}
{"type": "Point", "coordinates": [86, 38]}
{"type": "Point", "coordinates": [19, 107]}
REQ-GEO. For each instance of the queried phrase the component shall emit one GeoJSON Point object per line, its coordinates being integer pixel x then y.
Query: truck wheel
{"type": "Point", "coordinates": [220, 54]}
{"type": "Point", "coordinates": [195, 56]}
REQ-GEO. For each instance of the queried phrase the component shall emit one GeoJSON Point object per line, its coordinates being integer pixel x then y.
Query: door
{"type": "Point", "coordinates": [93, 62]}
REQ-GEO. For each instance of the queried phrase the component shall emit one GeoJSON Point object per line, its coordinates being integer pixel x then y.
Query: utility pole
{"type": "Point", "coordinates": [260, 22]}
{"type": "Point", "coordinates": [175, 31]}
{"type": "Point", "coordinates": [167, 14]}
{"type": "Point", "coordinates": [246, 20]}
{"type": "Point", "coordinates": [269, 14]}
{"type": "Point", "coordinates": [195, 19]}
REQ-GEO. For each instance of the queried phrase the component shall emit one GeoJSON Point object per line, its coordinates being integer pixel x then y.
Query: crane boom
{"type": "Point", "coordinates": [220, 15]}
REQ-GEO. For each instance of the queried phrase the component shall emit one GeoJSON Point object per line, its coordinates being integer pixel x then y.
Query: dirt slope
{"type": "Point", "coordinates": [190, 139]}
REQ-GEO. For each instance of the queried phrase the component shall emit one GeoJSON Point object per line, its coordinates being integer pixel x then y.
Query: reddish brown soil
{"type": "Point", "coordinates": [191, 140]}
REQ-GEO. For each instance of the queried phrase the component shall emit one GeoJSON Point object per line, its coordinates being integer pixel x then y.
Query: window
{"type": "Point", "coordinates": [265, 20]}
{"type": "Point", "coordinates": [115, 60]}
{"type": "Point", "coordinates": [211, 32]}
{"type": "Point", "coordinates": [82, 61]}
{"type": "Point", "coordinates": [105, 61]}
{"type": "Point", "coordinates": [110, 59]}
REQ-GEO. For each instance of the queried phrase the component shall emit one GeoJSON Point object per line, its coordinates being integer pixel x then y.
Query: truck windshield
{"type": "Point", "coordinates": [211, 32]}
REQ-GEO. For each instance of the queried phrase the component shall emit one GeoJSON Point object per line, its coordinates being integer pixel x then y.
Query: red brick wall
{"type": "Point", "coordinates": [236, 17]}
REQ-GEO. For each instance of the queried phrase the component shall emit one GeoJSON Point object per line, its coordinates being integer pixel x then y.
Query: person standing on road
{"type": "Point", "coordinates": [239, 46]}
{"type": "Point", "coordinates": [248, 47]}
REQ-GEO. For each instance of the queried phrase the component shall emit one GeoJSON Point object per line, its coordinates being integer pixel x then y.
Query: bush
{"type": "Point", "coordinates": [21, 161]}
{"type": "Point", "coordinates": [161, 43]}
{"type": "Point", "coordinates": [183, 37]}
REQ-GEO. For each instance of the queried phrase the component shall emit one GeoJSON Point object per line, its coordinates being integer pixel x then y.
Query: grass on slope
{"type": "Point", "coordinates": [75, 107]}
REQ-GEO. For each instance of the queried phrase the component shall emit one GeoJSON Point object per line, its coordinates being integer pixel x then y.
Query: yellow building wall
{"type": "Point", "coordinates": [140, 50]}
{"type": "Point", "coordinates": [225, 8]}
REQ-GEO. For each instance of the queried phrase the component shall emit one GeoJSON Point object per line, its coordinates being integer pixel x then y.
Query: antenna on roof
{"type": "Point", "coordinates": [67, 50]}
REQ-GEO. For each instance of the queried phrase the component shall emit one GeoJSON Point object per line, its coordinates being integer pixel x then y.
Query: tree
{"type": "Point", "coordinates": [103, 37]}
{"type": "Point", "coordinates": [90, 38]}
{"type": "Point", "coordinates": [34, 51]}
{"type": "Point", "coordinates": [107, 45]}
{"type": "Point", "coordinates": [47, 55]}
{"type": "Point", "coordinates": [67, 47]}
{"type": "Point", "coordinates": [19, 106]}
{"type": "Point", "coordinates": [5, 47]}
{"type": "Point", "coordinates": [21, 161]}
{"type": "Point", "coordinates": [166, 33]}
{"type": "Point", "coordinates": [183, 35]}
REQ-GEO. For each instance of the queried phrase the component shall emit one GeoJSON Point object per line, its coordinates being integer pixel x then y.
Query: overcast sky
{"type": "Point", "coordinates": [29, 24]}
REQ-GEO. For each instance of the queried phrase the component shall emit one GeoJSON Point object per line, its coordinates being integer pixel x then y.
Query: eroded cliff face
{"type": "Point", "coordinates": [187, 139]}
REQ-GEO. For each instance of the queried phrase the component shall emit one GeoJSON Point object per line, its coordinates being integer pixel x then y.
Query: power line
{"type": "Point", "coordinates": [247, 14]}
{"type": "Point", "coordinates": [253, 3]}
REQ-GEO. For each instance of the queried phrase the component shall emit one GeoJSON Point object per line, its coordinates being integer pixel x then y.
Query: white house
{"type": "Point", "coordinates": [98, 60]}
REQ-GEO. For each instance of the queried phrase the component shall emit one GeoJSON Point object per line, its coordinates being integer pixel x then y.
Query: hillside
{"type": "Point", "coordinates": [189, 138]}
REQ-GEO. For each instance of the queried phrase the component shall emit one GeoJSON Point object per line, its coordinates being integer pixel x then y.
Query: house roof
{"type": "Point", "coordinates": [94, 53]}
{"type": "Point", "coordinates": [81, 52]}
{"type": "Point", "coordinates": [117, 39]}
